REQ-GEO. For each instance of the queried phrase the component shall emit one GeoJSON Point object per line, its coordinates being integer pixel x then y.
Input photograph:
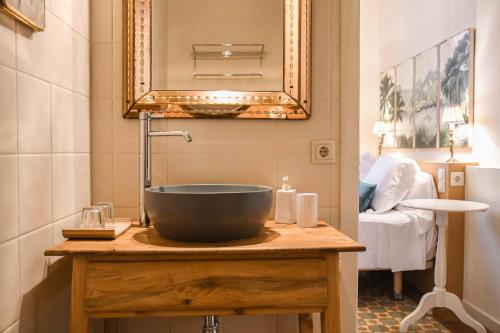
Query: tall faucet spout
{"type": "Point", "coordinates": [145, 157]}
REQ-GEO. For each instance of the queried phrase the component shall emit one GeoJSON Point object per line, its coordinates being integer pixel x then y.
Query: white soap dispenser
{"type": "Point", "coordinates": [286, 199]}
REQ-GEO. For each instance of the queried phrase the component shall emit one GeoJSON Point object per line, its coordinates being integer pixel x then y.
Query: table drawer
{"type": "Point", "coordinates": [146, 286]}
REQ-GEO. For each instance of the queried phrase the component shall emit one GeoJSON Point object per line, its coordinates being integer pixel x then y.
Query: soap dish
{"type": "Point", "coordinates": [121, 225]}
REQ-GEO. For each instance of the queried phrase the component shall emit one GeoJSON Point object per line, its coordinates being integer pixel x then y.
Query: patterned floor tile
{"type": "Point", "coordinates": [378, 312]}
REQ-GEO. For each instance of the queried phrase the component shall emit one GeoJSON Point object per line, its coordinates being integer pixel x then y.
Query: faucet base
{"type": "Point", "coordinates": [211, 325]}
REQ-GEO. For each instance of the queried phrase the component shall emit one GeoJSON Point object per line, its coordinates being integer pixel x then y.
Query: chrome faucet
{"type": "Point", "coordinates": [145, 134]}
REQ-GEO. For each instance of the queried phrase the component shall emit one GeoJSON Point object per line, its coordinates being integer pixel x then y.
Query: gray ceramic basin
{"type": "Point", "coordinates": [208, 212]}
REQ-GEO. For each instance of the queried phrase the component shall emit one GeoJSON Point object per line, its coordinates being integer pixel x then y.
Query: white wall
{"type": "Point", "coordinates": [404, 28]}
{"type": "Point", "coordinates": [393, 31]}
{"type": "Point", "coordinates": [44, 161]}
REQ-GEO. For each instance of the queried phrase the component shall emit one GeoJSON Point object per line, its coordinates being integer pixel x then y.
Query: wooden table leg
{"type": "Point", "coordinates": [79, 322]}
{"type": "Point", "coordinates": [305, 323]}
{"type": "Point", "coordinates": [330, 318]}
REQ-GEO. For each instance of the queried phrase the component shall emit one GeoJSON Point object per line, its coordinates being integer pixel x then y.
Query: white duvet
{"type": "Point", "coordinates": [401, 239]}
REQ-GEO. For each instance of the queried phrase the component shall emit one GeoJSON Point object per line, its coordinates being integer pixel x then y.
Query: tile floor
{"type": "Point", "coordinates": [379, 312]}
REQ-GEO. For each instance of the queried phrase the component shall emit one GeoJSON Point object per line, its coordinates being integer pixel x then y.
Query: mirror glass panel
{"type": "Point", "coordinates": [217, 45]}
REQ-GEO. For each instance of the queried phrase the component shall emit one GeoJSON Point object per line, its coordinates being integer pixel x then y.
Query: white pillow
{"type": "Point", "coordinates": [394, 177]}
{"type": "Point", "coordinates": [366, 161]}
{"type": "Point", "coordinates": [423, 187]}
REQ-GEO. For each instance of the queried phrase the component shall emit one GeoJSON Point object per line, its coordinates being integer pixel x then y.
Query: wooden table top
{"type": "Point", "coordinates": [276, 238]}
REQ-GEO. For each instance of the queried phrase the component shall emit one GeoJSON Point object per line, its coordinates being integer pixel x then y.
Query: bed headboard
{"type": "Point", "coordinates": [455, 235]}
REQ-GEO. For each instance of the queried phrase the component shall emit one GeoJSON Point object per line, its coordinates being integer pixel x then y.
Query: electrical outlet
{"type": "Point", "coordinates": [323, 151]}
{"type": "Point", "coordinates": [457, 179]}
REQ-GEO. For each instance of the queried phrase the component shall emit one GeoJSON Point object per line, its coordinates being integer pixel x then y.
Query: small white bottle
{"type": "Point", "coordinates": [286, 203]}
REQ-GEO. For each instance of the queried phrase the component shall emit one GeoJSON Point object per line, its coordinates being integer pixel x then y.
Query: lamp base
{"type": "Point", "coordinates": [452, 160]}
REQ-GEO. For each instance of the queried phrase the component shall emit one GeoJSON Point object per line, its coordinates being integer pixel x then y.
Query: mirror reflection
{"type": "Point", "coordinates": [198, 46]}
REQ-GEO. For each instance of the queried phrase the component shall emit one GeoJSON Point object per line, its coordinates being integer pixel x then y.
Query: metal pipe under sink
{"type": "Point", "coordinates": [145, 134]}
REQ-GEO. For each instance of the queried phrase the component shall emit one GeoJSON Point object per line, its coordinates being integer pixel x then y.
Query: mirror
{"type": "Point", "coordinates": [218, 58]}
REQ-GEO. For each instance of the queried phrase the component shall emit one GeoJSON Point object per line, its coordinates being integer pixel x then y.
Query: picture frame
{"type": "Point", "coordinates": [29, 12]}
{"type": "Point", "coordinates": [414, 94]}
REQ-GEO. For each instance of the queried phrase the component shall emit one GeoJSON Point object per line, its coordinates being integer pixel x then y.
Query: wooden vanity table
{"type": "Point", "coordinates": [286, 269]}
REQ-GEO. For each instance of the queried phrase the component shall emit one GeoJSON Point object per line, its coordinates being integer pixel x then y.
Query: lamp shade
{"type": "Point", "coordinates": [380, 128]}
{"type": "Point", "coordinates": [453, 114]}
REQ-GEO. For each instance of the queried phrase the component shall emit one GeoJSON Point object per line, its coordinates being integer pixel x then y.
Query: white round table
{"type": "Point", "coordinates": [439, 297]}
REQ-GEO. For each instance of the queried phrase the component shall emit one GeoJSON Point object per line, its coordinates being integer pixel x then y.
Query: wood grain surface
{"type": "Point", "coordinates": [203, 285]}
{"type": "Point", "coordinates": [275, 239]}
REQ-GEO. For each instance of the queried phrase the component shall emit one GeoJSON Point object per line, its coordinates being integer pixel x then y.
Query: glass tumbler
{"type": "Point", "coordinates": [107, 214]}
{"type": "Point", "coordinates": [92, 218]}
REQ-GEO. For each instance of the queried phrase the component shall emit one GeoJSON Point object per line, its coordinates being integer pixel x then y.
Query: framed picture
{"type": "Point", "coordinates": [29, 12]}
{"type": "Point", "coordinates": [456, 64]}
{"type": "Point", "coordinates": [426, 98]}
{"type": "Point", "coordinates": [404, 105]}
{"type": "Point", "coordinates": [387, 102]}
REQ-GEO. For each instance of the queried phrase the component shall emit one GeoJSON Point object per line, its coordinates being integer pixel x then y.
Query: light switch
{"type": "Point", "coordinates": [441, 180]}
{"type": "Point", "coordinates": [457, 179]}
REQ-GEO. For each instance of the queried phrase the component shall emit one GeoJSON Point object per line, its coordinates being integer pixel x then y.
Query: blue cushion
{"type": "Point", "coordinates": [366, 194]}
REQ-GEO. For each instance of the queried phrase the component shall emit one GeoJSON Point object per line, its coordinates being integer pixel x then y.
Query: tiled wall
{"type": "Point", "coordinates": [223, 151]}
{"type": "Point", "coordinates": [44, 161]}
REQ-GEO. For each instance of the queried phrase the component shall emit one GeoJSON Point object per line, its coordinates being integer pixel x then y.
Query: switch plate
{"type": "Point", "coordinates": [441, 180]}
{"type": "Point", "coordinates": [457, 179]}
{"type": "Point", "coordinates": [323, 151]}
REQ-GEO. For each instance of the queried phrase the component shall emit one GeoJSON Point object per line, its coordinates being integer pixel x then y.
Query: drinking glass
{"type": "Point", "coordinates": [107, 213]}
{"type": "Point", "coordinates": [92, 218]}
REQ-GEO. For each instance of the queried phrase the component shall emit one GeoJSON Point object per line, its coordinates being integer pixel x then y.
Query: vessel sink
{"type": "Point", "coordinates": [208, 212]}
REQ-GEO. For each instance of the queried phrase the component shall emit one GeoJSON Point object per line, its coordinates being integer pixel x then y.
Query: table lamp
{"type": "Point", "coordinates": [380, 129]}
{"type": "Point", "coordinates": [452, 114]}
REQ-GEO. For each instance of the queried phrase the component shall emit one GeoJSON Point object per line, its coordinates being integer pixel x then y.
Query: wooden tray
{"type": "Point", "coordinates": [121, 225]}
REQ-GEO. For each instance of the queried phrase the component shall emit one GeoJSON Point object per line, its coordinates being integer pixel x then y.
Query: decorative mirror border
{"type": "Point", "coordinates": [400, 109]}
{"type": "Point", "coordinates": [294, 102]}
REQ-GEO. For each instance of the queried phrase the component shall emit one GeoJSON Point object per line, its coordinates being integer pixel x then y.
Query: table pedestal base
{"type": "Point", "coordinates": [443, 299]}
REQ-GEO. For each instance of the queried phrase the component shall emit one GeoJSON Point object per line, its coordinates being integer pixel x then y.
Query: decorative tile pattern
{"type": "Point", "coordinates": [379, 312]}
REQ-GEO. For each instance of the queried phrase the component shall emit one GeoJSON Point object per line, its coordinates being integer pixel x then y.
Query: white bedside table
{"type": "Point", "coordinates": [439, 297]}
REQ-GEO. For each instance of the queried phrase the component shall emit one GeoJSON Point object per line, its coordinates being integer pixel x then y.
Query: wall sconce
{"type": "Point", "coordinates": [452, 115]}
{"type": "Point", "coordinates": [380, 129]}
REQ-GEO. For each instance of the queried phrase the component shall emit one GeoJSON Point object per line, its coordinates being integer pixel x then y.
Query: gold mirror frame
{"type": "Point", "coordinates": [293, 102]}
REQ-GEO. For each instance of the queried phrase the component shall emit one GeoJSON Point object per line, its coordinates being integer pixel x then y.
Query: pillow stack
{"type": "Point", "coordinates": [393, 177]}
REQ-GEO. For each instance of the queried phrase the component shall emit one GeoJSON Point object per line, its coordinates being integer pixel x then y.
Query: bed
{"type": "Point", "coordinates": [401, 239]}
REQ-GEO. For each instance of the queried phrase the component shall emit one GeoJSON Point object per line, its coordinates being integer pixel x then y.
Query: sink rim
{"type": "Point", "coordinates": [246, 189]}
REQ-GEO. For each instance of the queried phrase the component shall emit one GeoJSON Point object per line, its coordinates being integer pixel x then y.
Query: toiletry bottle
{"type": "Point", "coordinates": [286, 203]}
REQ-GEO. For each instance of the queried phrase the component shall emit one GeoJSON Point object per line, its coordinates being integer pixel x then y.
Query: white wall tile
{"type": "Point", "coordinates": [258, 169]}
{"type": "Point", "coordinates": [117, 21]}
{"type": "Point", "coordinates": [306, 177]}
{"type": "Point", "coordinates": [126, 180]}
{"type": "Point", "coordinates": [295, 136]}
{"type": "Point", "coordinates": [101, 16]}
{"type": "Point", "coordinates": [125, 131]}
{"type": "Point", "coordinates": [62, 54]}
{"type": "Point", "coordinates": [102, 125]}
{"type": "Point", "coordinates": [186, 324]}
{"type": "Point", "coordinates": [247, 324]}
{"type": "Point", "coordinates": [7, 41]}
{"type": "Point", "coordinates": [8, 111]}
{"type": "Point", "coordinates": [33, 263]}
{"type": "Point", "coordinates": [71, 184]}
{"type": "Point", "coordinates": [117, 71]}
{"type": "Point", "coordinates": [9, 284]}
{"type": "Point", "coordinates": [102, 177]}
{"type": "Point", "coordinates": [35, 203]}
{"type": "Point", "coordinates": [69, 222]}
{"type": "Point", "coordinates": [144, 325]}
{"type": "Point", "coordinates": [8, 197]}
{"type": "Point", "coordinates": [195, 168]}
{"type": "Point", "coordinates": [33, 49]}
{"type": "Point", "coordinates": [14, 328]}
{"type": "Point", "coordinates": [70, 121]}
{"type": "Point", "coordinates": [74, 13]}
{"type": "Point", "coordinates": [102, 70]}
{"type": "Point", "coordinates": [81, 64]}
{"type": "Point", "coordinates": [34, 114]}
